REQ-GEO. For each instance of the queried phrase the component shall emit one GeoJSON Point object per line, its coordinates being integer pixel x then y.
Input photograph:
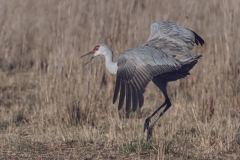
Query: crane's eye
{"type": "Point", "coordinates": [96, 48]}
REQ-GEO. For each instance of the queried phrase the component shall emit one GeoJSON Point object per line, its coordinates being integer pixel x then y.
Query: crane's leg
{"type": "Point", "coordinates": [148, 120]}
{"type": "Point", "coordinates": [150, 128]}
{"type": "Point", "coordinates": [162, 86]}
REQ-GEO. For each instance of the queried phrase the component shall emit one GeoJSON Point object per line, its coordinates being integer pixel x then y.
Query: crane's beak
{"type": "Point", "coordinates": [86, 55]}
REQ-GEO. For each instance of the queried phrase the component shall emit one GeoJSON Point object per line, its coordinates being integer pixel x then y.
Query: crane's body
{"type": "Point", "coordinates": [164, 57]}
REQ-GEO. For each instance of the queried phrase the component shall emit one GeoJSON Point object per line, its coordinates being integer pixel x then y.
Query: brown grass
{"type": "Point", "coordinates": [52, 107]}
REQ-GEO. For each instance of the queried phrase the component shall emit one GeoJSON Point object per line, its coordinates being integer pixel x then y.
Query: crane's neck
{"type": "Point", "coordinates": [110, 65]}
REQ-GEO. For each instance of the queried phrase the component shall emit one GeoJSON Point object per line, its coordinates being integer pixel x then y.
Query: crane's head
{"type": "Point", "coordinates": [98, 50]}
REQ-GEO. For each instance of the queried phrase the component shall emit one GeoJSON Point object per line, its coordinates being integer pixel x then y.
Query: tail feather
{"type": "Point", "coordinates": [188, 64]}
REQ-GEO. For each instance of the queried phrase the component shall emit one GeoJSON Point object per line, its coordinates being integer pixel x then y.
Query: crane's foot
{"type": "Point", "coordinates": [146, 124]}
{"type": "Point", "coordinates": [149, 132]}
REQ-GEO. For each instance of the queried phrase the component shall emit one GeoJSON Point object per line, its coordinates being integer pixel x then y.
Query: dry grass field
{"type": "Point", "coordinates": [51, 107]}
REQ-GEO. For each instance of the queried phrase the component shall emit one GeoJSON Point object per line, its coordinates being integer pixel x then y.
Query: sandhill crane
{"type": "Point", "coordinates": [164, 57]}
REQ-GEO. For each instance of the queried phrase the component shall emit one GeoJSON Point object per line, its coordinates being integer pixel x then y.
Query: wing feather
{"type": "Point", "coordinates": [173, 39]}
{"type": "Point", "coordinates": [136, 68]}
{"type": "Point", "coordinates": [134, 99]}
{"type": "Point", "coordinates": [166, 50]}
{"type": "Point", "coordinates": [128, 97]}
{"type": "Point", "coordinates": [122, 95]}
{"type": "Point", "coordinates": [116, 91]}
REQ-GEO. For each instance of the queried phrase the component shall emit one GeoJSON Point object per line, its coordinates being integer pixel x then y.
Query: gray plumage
{"type": "Point", "coordinates": [138, 66]}
{"type": "Point", "coordinates": [164, 57]}
{"type": "Point", "coordinates": [173, 39]}
{"type": "Point", "coordinates": [166, 51]}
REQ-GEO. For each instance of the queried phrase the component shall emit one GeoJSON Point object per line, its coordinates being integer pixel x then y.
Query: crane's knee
{"type": "Point", "coordinates": [167, 101]}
